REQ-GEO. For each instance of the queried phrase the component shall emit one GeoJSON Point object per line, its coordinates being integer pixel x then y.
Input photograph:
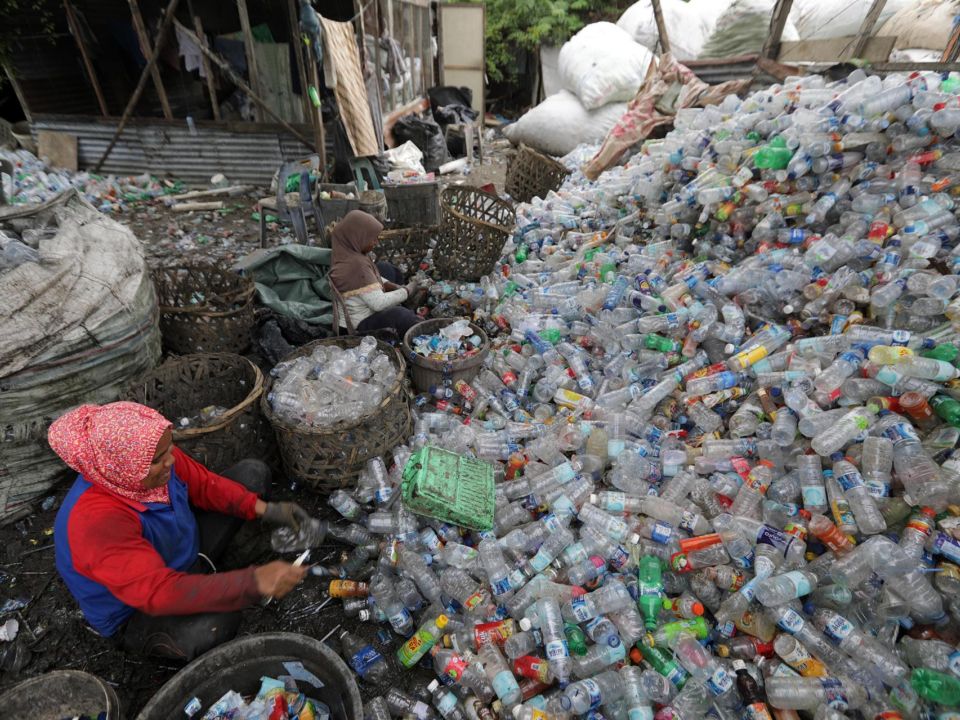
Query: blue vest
{"type": "Point", "coordinates": [171, 529]}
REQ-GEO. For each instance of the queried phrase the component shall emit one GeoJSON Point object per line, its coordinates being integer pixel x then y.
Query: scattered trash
{"type": "Point", "coordinates": [9, 630]}
{"type": "Point", "coordinates": [276, 700]}
{"type": "Point", "coordinates": [453, 342]}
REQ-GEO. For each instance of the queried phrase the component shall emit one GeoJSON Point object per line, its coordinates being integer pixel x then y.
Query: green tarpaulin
{"type": "Point", "coordinates": [292, 280]}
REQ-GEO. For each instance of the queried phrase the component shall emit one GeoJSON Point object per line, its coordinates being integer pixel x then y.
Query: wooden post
{"type": "Point", "coordinates": [296, 42]}
{"type": "Point", "coordinates": [661, 26]}
{"type": "Point", "coordinates": [251, 49]}
{"type": "Point", "coordinates": [18, 91]}
{"type": "Point", "coordinates": [952, 50]}
{"type": "Point", "coordinates": [225, 68]}
{"type": "Point", "coordinates": [778, 20]}
{"type": "Point", "coordinates": [208, 71]}
{"type": "Point", "coordinates": [87, 63]}
{"type": "Point", "coordinates": [377, 34]}
{"type": "Point", "coordinates": [142, 83]}
{"type": "Point", "coordinates": [321, 146]}
{"type": "Point", "coordinates": [148, 53]}
{"type": "Point", "coordinates": [866, 28]}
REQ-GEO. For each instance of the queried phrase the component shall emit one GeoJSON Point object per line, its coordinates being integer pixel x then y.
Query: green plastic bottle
{"type": "Point", "coordinates": [650, 582]}
{"type": "Point", "coordinates": [551, 335]}
{"type": "Point", "coordinates": [951, 84]}
{"type": "Point", "coordinates": [775, 155]}
{"type": "Point", "coordinates": [652, 341]}
{"type": "Point", "coordinates": [662, 661]}
{"type": "Point", "coordinates": [421, 641]}
{"type": "Point", "coordinates": [521, 253]}
{"type": "Point", "coordinates": [947, 409]}
{"type": "Point", "coordinates": [936, 686]}
{"type": "Point", "coordinates": [576, 639]}
{"type": "Point", "coordinates": [945, 352]}
{"type": "Point", "coordinates": [667, 633]}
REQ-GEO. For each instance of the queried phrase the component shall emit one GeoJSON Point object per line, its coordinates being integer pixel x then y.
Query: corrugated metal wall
{"type": "Point", "coordinates": [250, 155]}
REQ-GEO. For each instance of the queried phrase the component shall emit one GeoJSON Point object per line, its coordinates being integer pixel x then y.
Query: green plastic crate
{"type": "Point", "coordinates": [450, 487]}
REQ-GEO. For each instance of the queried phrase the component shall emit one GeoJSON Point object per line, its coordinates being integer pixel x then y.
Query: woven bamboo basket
{"type": "Point", "coordinates": [330, 458]}
{"type": "Point", "coordinates": [405, 247]}
{"type": "Point", "coordinates": [204, 308]}
{"type": "Point", "coordinates": [429, 373]}
{"type": "Point", "coordinates": [531, 174]}
{"type": "Point", "coordinates": [183, 386]}
{"type": "Point", "coordinates": [474, 227]}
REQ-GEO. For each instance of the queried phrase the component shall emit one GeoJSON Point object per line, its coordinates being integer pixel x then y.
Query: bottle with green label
{"type": "Point", "coordinates": [551, 335]}
{"type": "Point", "coordinates": [652, 341]}
{"type": "Point", "coordinates": [947, 409]}
{"type": "Point", "coordinates": [668, 633]}
{"type": "Point", "coordinates": [650, 588]}
{"type": "Point", "coordinates": [661, 660]}
{"type": "Point", "coordinates": [421, 641]}
{"type": "Point", "coordinates": [576, 639]}
{"type": "Point", "coordinates": [935, 686]}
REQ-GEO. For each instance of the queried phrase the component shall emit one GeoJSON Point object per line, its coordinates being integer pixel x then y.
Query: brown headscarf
{"type": "Point", "coordinates": [353, 270]}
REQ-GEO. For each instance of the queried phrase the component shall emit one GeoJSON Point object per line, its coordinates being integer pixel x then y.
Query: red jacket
{"type": "Point", "coordinates": [107, 545]}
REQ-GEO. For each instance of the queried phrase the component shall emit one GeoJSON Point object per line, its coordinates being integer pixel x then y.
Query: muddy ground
{"type": "Point", "coordinates": [53, 634]}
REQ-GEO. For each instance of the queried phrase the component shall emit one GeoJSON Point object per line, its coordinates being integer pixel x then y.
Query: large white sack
{"type": "Point", "coordinates": [686, 29]}
{"type": "Point", "coordinates": [742, 29]}
{"type": "Point", "coordinates": [822, 19]}
{"type": "Point", "coordinates": [926, 24]}
{"type": "Point", "coordinates": [560, 123]}
{"type": "Point", "coordinates": [549, 70]}
{"type": "Point", "coordinates": [602, 64]}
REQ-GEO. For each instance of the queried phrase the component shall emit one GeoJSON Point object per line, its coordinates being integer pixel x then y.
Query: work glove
{"type": "Point", "coordinates": [285, 513]}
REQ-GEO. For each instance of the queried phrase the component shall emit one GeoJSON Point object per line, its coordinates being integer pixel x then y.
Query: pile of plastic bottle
{"type": "Point", "coordinates": [723, 407]}
{"type": "Point", "coordinates": [277, 699]}
{"type": "Point", "coordinates": [34, 182]}
{"type": "Point", "coordinates": [456, 341]}
{"type": "Point", "coordinates": [331, 384]}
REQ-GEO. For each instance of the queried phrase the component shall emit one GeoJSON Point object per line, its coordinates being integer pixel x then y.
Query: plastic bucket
{"type": "Point", "coordinates": [428, 373]}
{"type": "Point", "coordinates": [239, 665]}
{"type": "Point", "coordinates": [60, 694]}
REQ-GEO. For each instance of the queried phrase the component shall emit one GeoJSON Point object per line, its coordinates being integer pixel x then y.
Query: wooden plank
{"type": "Point", "coordinates": [866, 28]}
{"type": "Point", "coordinates": [294, 24]}
{"type": "Point", "coordinates": [148, 52]}
{"type": "Point", "coordinates": [85, 55]}
{"type": "Point", "coordinates": [58, 149]}
{"type": "Point", "coordinates": [876, 49]}
{"type": "Point", "coordinates": [208, 71]}
{"type": "Point", "coordinates": [17, 90]}
{"type": "Point", "coordinates": [916, 66]}
{"type": "Point", "coordinates": [778, 21]}
{"type": "Point", "coordinates": [661, 26]}
{"type": "Point", "coordinates": [248, 46]}
{"type": "Point", "coordinates": [273, 62]}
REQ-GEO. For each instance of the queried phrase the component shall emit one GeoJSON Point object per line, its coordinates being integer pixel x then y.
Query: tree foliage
{"type": "Point", "coordinates": [24, 21]}
{"type": "Point", "coordinates": [514, 25]}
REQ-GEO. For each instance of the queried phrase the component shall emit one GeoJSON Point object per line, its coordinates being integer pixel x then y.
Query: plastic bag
{"type": "Point", "coordinates": [560, 123]}
{"type": "Point", "coordinates": [427, 136]}
{"type": "Point", "coordinates": [687, 28]}
{"type": "Point", "coordinates": [405, 157]}
{"type": "Point", "coordinates": [602, 64]}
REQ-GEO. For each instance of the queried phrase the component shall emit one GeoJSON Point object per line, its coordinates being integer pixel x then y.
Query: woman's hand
{"type": "Point", "coordinates": [411, 288]}
{"type": "Point", "coordinates": [285, 513]}
{"type": "Point", "coordinates": [389, 286]}
{"type": "Point", "coordinates": [278, 578]}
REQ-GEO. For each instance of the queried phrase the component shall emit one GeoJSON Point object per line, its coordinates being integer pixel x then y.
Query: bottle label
{"type": "Point", "coordinates": [578, 607]}
{"type": "Point", "coordinates": [504, 684]}
{"type": "Point", "coordinates": [757, 711]}
{"type": "Point", "coordinates": [720, 682]}
{"type": "Point", "coordinates": [455, 667]}
{"type": "Point", "coordinates": [833, 694]}
{"type": "Point", "coordinates": [640, 712]}
{"type": "Point", "coordinates": [799, 581]}
{"type": "Point", "coordinates": [688, 520]}
{"type": "Point", "coordinates": [400, 618]}
{"type": "Point", "coordinates": [661, 533]}
{"type": "Point", "coordinates": [619, 557]}
{"type": "Point", "coordinates": [801, 661]}
{"type": "Point", "coordinates": [364, 659]}
{"type": "Point", "coordinates": [838, 628]}
{"type": "Point", "coordinates": [565, 473]}
{"type": "Point", "coordinates": [557, 649]}
{"type": "Point", "coordinates": [495, 632]}
{"type": "Point", "coordinates": [814, 496]}
{"type": "Point", "coordinates": [471, 602]}
{"type": "Point", "coordinates": [501, 586]}
{"type": "Point", "coordinates": [593, 692]}
{"type": "Point", "coordinates": [791, 621]}
{"type": "Point", "coordinates": [850, 480]}
{"type": "Point", "coordinates": [616, 501]}
{"type": "Point", "coordinates": [420, 710]}
{"type": "Point", "coordinates": [898, 433]}
{"type": "Point", "coordinates": [877, 488]}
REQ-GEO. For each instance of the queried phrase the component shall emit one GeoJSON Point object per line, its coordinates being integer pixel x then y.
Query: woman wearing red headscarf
{"type": "Point", "coordinates": [143, 524]}
{"type": "Point", "coordinates": [372, 302]}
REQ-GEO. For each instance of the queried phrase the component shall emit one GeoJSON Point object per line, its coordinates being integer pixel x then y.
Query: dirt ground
{"type": "Point", "coordinates": [53, 634]}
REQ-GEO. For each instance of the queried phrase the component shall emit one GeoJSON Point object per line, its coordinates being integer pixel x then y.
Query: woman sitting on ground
{"type": "Point", "coordinates": [139, 531]}
{"type": "Point", "coordinates": [370, 291]}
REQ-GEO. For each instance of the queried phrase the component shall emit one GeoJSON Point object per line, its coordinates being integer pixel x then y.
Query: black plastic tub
{"type": "Point", "coordinates": [60, 694]}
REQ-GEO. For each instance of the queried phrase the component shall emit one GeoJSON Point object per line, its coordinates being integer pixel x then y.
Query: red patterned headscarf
{"type": "Point", "coordinates": [112, 446]}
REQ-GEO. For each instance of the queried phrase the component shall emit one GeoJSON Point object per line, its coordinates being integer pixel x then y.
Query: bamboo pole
{"type": "Point", "coordinates": [148, 52]}
{"type": "Point", "coordinates": [661, 26]}
{"type": "Point", "coordinates": [208, 71]}
{"type": "Point", "coordinates": [251, 50]}
{"type": "Point", "coordinates": [85, 55]}
{"type": "Point", "coordinates": [142, 83]}
{"type": "Point", "coordinates": [866, 28]}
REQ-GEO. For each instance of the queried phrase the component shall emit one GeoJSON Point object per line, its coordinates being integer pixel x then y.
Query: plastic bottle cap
{"type": "Point", "coordinates": [442, 621]}
{"type": "Point", "coordinates": [525, 624]}
{"type": "Point", "coordinates": [698, 608]}
{"type": "Point", "coordinates": [635, 539]}
{"type": "Point", "coordinates": [788, 309]}
{"type": "Point", "coordinates": [434, 684]}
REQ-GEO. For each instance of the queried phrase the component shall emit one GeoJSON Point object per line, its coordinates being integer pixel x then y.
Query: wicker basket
{"type": "Point", "coordinates": [405, 247]}
{"type": "Point", "coordinates": [429, 373]}
{"type": "Point", "coordinates": [474, 227]}
{"type": "Point", "coordinates": [531, 174]}
{"type": "Point", "coordinates": [204, 308]}
{"type": "Point", "coordinates": [330, 458]}
{"type": "Point", "coordinates": [183, 386]}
